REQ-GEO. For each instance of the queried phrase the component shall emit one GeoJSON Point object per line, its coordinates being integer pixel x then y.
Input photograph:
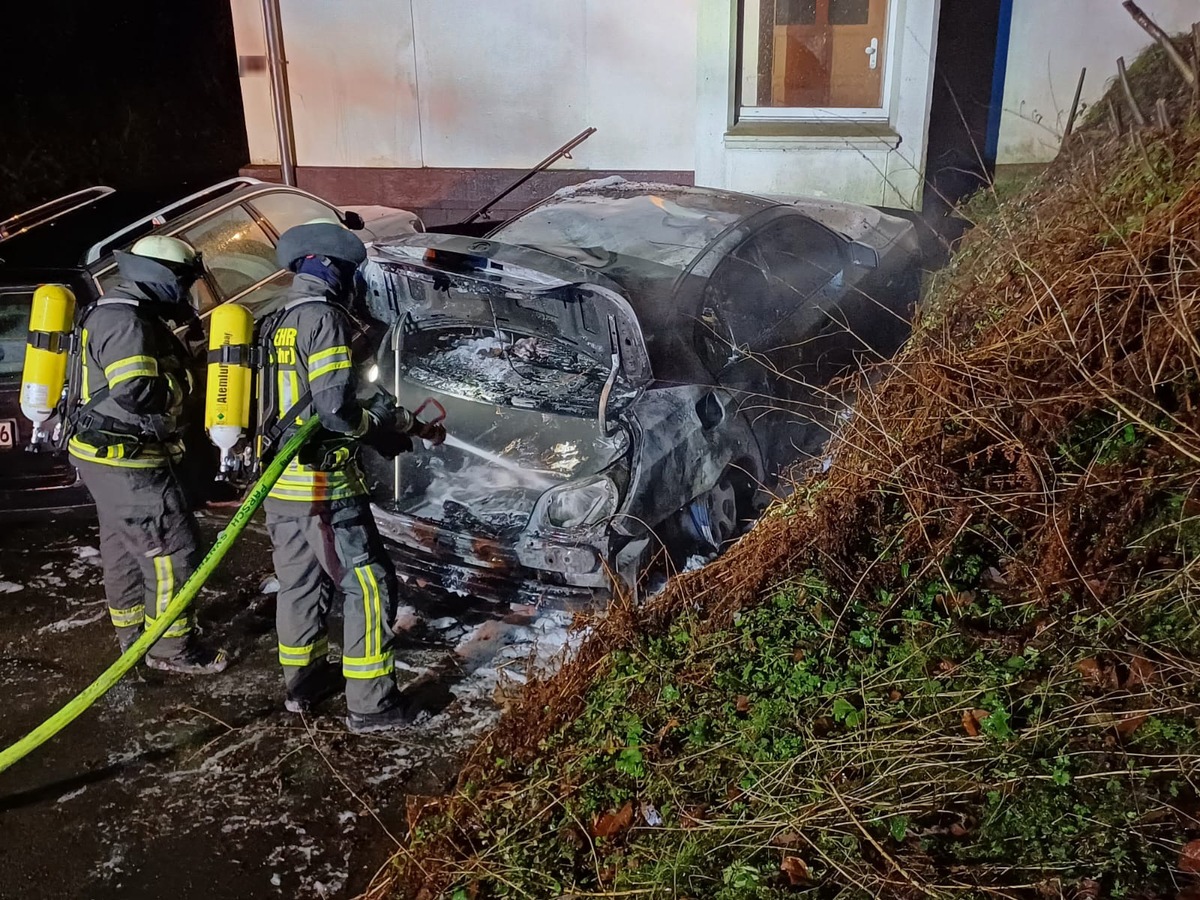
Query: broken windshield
{"type": "Point", "coordinates": [664, 224]}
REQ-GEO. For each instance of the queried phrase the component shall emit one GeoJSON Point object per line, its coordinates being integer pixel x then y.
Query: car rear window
{"type": "Point", "coordinates": [14, 330]}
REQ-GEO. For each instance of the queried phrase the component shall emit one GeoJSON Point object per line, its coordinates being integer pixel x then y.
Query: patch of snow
{"type": "Point", "coordinates": [70, 624]}
{"type": "Point", "coordinates": [10, 587]}
{"type": "Point", "coordinates": [270, 586]}
{"type": "Point", "coordinates": [71, 795]}
{"type": "Point", "coordinates": [595, 184]}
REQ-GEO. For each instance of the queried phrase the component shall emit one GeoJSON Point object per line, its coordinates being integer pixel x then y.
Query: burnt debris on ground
{"type": "Point", "coordinates": [962, 661]}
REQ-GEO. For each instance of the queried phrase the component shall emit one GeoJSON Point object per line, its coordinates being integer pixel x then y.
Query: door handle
{"type": "Point", "coordinates": [872, 52]}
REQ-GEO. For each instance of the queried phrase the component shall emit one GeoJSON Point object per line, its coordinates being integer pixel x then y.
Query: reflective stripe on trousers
{"type": "Point", "coordinates": [164, 590]}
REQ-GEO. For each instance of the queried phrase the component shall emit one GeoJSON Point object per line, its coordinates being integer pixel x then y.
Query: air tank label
{"type": "Point", "coordinates": [35, 395]}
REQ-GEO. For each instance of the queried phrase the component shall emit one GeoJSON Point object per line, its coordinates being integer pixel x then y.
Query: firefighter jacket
{"type": "Point", "coordinates": [312, 372]}
{"type": "Point", "coordinates": [133, 383]}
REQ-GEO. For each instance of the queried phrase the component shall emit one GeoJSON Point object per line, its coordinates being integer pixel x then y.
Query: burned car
{"type": "Point", "coordinates": [625, 368]}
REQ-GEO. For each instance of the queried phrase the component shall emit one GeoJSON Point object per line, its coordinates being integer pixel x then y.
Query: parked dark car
{"type": "Point", "coordinates": [625, 367]}
{"type": "Point", "coordinates": [235, 224]}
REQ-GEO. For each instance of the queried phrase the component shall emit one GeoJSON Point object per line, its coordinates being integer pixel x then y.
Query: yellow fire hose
{"type": "Point", "coordinates": [180, 602]}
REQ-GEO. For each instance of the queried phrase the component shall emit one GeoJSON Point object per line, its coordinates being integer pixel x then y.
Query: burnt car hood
{"type": "Point", "coordinates": [486, 284]}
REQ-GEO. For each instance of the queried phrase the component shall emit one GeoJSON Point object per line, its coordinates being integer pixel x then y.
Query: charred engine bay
{"type": "Point", "coordinates": [523, 415]}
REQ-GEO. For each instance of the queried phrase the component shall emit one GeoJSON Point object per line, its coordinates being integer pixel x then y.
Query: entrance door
{"type": "Point", "coordinates": [823, 53]}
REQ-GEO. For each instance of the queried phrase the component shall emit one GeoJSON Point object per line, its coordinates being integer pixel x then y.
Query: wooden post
{"type": "Point", "coordinates": [1114, 118]}
{"type": "Point", "coordinates": [1196, 63]}
{"type": "Point", "coordinates": [1138, 118]}
{"type": "Point", "coordinates": [1164, 41]}
{"type": "Point", "coordinates": [1160, 112]}
{"type": "Point", "coordinates": [1074, 110]}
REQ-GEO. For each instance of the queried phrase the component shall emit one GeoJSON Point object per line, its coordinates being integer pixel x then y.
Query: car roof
{"type": "Point", "coordinates": [665, 224]}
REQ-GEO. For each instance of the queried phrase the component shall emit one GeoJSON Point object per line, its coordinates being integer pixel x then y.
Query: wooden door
{"type": "Point", "coordinates": [858, 32]}
{"type": "Point", "coordinates": [816, 53]}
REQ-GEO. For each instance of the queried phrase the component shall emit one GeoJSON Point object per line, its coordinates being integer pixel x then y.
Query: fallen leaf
{"type": "Point", "coordinates": [786, 839]}
{"type": "Point", "coordinates": [1090, 670]}
{"type": "Point", "coordinates": [895, 695]}
{"type": "Point", "coordinates": [958, 829]}
{"type": "Point", "coordinates": [971, 720]}
{"type": "Point", "coordinates": [947, 665]}
{"type": "Point", "coordinates": [692, 817]}
{"type": "Point", "coordinates": [960, 599]}
{"type": "Point", "coordinates": [994, 576]}
{"type": "Point", "coordinates": [743, 703]}
{"type": "Point", "coordinates": [1088, 889]}
{"type": "Point", "coordinates": [798, 654]}
{"type": "Point", "coordinates": [1141, 672]}
{"type": "Point", "coordinates": [795, 868]}
{"type": "Point", "coordinates": [672, 724]}
{"type": "Point", "coordinates": [613, 823]}
{"type": "Point", "coordinates": [1128, 724]}
{"type": "Point", "coordinates": [1189, 858]}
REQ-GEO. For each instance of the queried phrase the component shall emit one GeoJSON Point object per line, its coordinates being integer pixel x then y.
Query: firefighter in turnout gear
{"type": "Point", "coordinates": [126, 444]}
{"type": "Point", "coordinates": [324, 536]}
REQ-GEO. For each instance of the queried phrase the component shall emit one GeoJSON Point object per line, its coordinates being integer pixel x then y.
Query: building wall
{"type": "Point", "coordinates": [1049, 43]}
{"type": "Point", "coordinates": [878, 165]}
{"type": "Point", "coordinates": [465, 84]}
{"type": "Point", "coordinates": [385, 92]}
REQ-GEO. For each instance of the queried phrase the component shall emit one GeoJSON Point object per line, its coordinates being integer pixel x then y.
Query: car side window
{"type": "Point", "coordinates": [761, 283]}
{"type": "Point", "coordinates": [237, 251]}
{"type": "Point", "coordinates": [201, 294]}
{"type": "Point", "coordinates": [283, 209]}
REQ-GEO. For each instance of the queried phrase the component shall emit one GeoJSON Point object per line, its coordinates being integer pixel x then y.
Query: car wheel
{"type": "Point", "coordinates": [723, 511]}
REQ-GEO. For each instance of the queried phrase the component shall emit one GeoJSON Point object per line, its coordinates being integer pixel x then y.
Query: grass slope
{"type": "Point", "coordinates": [961, 663]}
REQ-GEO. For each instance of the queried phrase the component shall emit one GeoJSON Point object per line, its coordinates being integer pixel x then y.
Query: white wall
{"type": "Point", "coordinates": [881, 170]}
{"type": "Point", "coordinates": [466, 83]}
{"type": "Point", "coordinates": [1051, 40]}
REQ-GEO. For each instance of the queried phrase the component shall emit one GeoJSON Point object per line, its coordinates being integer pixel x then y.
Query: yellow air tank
{"type": "Point", "coordinates": [230, 377]}
{"type": "Point", "coordinates": [51, 318]}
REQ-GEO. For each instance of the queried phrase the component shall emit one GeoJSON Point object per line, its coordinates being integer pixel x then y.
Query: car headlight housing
{"type": "Point", "coordinates": [581, 503]}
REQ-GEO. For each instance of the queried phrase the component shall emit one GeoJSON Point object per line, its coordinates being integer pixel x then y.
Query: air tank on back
{"type": "Point", "coordinates": [51, 317]}
{"type": "Point", "coordinates": [230, 379]}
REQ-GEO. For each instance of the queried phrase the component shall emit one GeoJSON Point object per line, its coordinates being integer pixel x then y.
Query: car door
{"type": "Point", "coordinates": [766, 296]}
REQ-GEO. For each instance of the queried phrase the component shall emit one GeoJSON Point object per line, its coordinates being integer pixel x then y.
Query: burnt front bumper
{"type": "Point", "coordinates": [543, 569]}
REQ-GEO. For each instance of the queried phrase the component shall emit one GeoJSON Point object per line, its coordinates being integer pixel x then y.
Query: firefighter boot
{"type": "Point", "coordinates": [396, 716]}
{"type": "Point", "coordinates": [195, 659]}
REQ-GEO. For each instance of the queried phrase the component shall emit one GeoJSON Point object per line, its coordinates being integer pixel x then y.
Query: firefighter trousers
{"type": "Point", "coordinates": [149, 545]}
{"type": "Point", "coordinates": [335, 548]}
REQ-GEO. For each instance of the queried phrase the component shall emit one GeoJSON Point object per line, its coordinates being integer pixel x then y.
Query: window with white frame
{"type": "Point", "coordinates": [815, 60]}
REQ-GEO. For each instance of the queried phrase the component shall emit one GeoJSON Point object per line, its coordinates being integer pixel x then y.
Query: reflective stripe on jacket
{"type": "Point", "coordinates": [311, 350]}
{"type": "Point", "coordinates": [135, 355]}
